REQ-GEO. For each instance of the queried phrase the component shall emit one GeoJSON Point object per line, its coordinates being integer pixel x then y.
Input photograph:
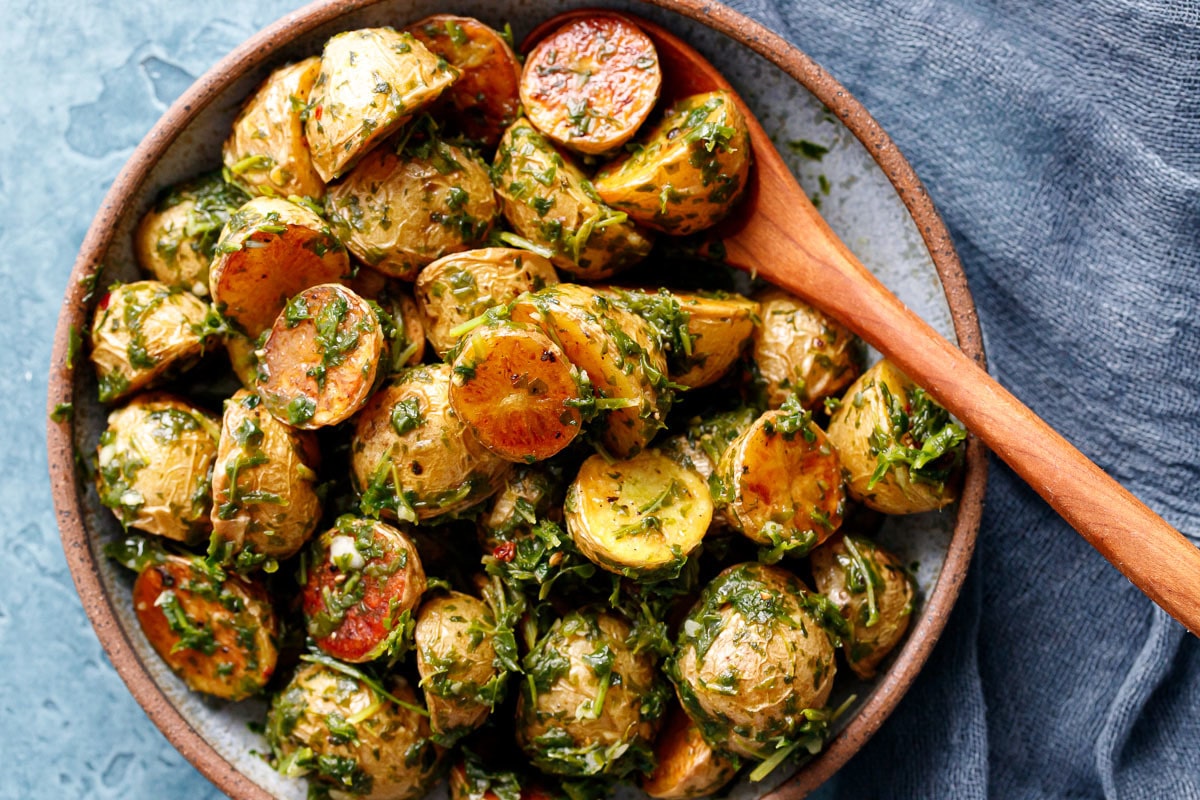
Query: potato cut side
{"type": "Point", "coordinates": [687, 766]}
{"type": "Point", "coordinates": [590, 84]}
{"type": "Point", "coordinates": [321, 358]}
{"type": "Point", "coordinates": [269, 251]}
{"type": "Point", "coordinates": [641, 517]}
{"type": "Point", "coordinates": [517, 391]}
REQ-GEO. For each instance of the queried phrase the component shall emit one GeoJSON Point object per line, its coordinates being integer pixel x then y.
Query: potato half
{"type": "Point", "coordinates": [686, 766]}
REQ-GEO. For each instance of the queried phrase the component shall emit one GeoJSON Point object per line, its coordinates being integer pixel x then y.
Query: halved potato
{"type": "Point", "coordinates": [458, 288]}
{"type": "Point", "coordinates": [688, 172]}
{"type": "Point", "coordinates": [398, 212]}
{"type": "Point", "coordinates": [371, 82]}
{"type": "Point", "coordinates": [641, 517]}
{"type": "Point", "coordinates": [319, 363]}
{"type": "Point", "coordinates": [548, 200]}
{"type": "Point", "coordinates": [591, 83]}
{"type": "Point", "coordinates": [271, 250]}
{"type": "Point", "coordinates": [265, 505]}
{"type": "Point", "coordinates": [266, 148]}
{"type": "Point", "coordinates": [486, 97]}
{"type": "Point", "coordinates": [531, 492]}
{"type": "Point", "coordinates": [800, 350]}
{"type": "Point", "coordinates": [517, 391]}
{"type": "Point", "coordinates": [781, 482]}
{"type": "Point", "coordinates": [141, 332]}
{"type": "Point", "coordinates": [687, 766]}
{"type": "Point", "coordinates": [412, 457]}
{"type": "Point", "coordinates": [154, 466]}
{"type": "Point", "coordinates": [216, 631]}
{"type": "Point", "coordinates": [364, 581]}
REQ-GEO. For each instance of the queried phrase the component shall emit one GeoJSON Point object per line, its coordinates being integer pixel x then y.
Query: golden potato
{"type": "Point", "coordinates": [517, 391]}
{"type": "Point", "coordinates": [265, 505]}
{"type": "Point", "coordinates": [688, 172]}
{"type": "Point", "coordinates": [216, 631]}
{"type": "Point", "coordinates": [686, 766]}
{"type": "Point", "coordinates": [271, 250]}
{"type": "Point", "coordinates": [371, 82]}
{"type": "Point", "coordinates": [486, 97]}
{"type": "Point", "coordinates": [398, 212]}
{"type": "Point", "coordinates": [873, 591]}
{"type": "Point", "coordinates": [900, 450]}
{"type": "Point", "coordinates": [701, 446]}
{"type": "Point", "coordinates": [412, 457]}
{"type": "Point", "coordinates": [177, 238]}
{"type": "Point", "coordinates": [591, 83]}
{"type": "Point", "coordinates": [144, 331]}
{"type": "Point", "coordinates": [154, 466]}
{"type": "Point", "coordinates": [458, 288]}
{"type": "Point", "coordinates": [266, 149]}
{"type": "Point", "coordinates": [549, 201]}
{"type": "Point", "coordinates": [802, 351]}
{"type": "Point", "coordinates": [780, 483]}
{"type": "Point", "coordinates": [321, 357]}
{"type": "Point", "coordinates": [641, 517]}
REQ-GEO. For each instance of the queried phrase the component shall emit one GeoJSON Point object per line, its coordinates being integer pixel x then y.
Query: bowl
{"type": "Point", "coordinates": [862, 183]}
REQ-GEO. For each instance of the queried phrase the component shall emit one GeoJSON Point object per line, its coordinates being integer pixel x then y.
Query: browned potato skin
{"type": "Point", "coordinates": [258, 267]}
{"type": "Point", "coordinates": [396, 300]}
{"type": "Point", "coordinates": [371, 82]}
{"type": "Point", "coordinates": [687, 766]}
{"type": "Point", "coordinates": [720, 327]}
{"type": "Point", "coordinates": [517, 391]}
{"type": "Point", "coordinates": [802, 351]}
{"type": "Point", "coordinates": [437, 459]}
{"type": "Point", "coordinates": [263, 530]}
{"type": "Point", "coordinates": [266, 149]}
{"type": "Point", "coordinates": [294, 352]}
{"type": "Point", "coordinates": [140, 332]}
{"type": "Point", "coordinates": [443, 634]}
{"type": "Point", "coordinates": [457, 288]}
{"type": "Point", "coordinates": [832, 563]}
{"type": "Point", "coordinates": [590, 84]}
{"type": "Point", "coordinates": [486, 98]}
{"type": "Point", "coordinates": [785, 480]}
{"type": "Point", "coordinates": [173, 483]}
{"type": "Point", "coordinates": [251, 658]}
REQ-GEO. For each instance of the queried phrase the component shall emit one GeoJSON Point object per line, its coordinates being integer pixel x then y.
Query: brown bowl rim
{"type": "Point", "coordinates": [262, 46]}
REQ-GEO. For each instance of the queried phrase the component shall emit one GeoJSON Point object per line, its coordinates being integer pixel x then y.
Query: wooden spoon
{"type": "Point", "coordinates": [779, 235]}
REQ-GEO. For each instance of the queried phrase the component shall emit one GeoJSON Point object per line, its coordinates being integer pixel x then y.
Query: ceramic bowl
{"type": "Point", "coordinates": [865, 189]}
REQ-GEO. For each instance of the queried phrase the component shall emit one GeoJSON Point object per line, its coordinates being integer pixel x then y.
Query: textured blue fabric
{"type": "Point", "coordinates": [1061, 142]}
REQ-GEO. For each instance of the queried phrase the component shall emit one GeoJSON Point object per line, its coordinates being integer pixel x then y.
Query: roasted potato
{"type": "Point", "coordinates": [618, 352]}
{"type": "Point", "coordinates": [873, 591]}
{"type": "Point", "coordinates": [371, 82]}
{"type": "Point", "coordinates": [266, 149]}
{"type": "Point", "coordinates": [459, 673]}
{"type": "Point", "coordinates": [351, 735]}
{"type": "Point", "coordinates": [154, 466]}
{"type": "Point", "coordinates": [780, 483]}
{"type": "Point", "coordinates": [589, 704]}
{"type": "Point", "coordinates": [363, 581]}
{"type": "Point", "coordinates": [177, 238]}
{"type": "Point", "coordinates": [402, 321]}
{"type": "Point", "coordinates": [686, 766]}
{"type": "Point", "coordinates": [216, 631]}
{"type": "Point", "coordinates": [701, 446]}
{"type": "Point", "coordinates": [591, 83]}
{"type": "Point", "coordinates": [271, 250]}
{"type": "Point", "coordinates": [802, 351]}
{"type": "Point", "coordinates": [517, 391]}
{"type": "Point", "coordinates": [531, 492]}
{"type": "Point", "coordinates": [900, 450]}
{"type": "Point", "coordinates": [412, 457]}
{"type": "Point", "coordinates": [753, 654]}
{"type": "Point", "coordinates": [688, 172]}
{"type": "Point", "coordinates": [144, 331]}
{"type": "Point", "coordinates": [265, 505]}
{"type": "Point", "coordinates": [321, 357]}
{"type": "Point", "coordinates": [549, 201]}
{"type": "Point", "coordinates": [641, 518]}
{"type": "Point", "coordinates": [399, 211]}
{"type": "Point", "coordinates": [486, 97]}
{"type": "Point", "coordinates": [458, 288]}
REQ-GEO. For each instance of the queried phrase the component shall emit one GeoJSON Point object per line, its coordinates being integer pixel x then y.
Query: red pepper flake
{"type": "Point", "coordinates": [103, 304]}
{"type": "Point", "coordinates": [505, 551]}
{"type": "Point", "coordinates": [317, 112]}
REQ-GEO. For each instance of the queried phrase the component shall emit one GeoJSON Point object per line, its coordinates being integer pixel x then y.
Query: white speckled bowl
{"type": "Point", "coordinates": [874, 202]}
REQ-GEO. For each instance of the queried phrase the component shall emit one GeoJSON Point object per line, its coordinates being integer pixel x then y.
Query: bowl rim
{"type": "Point", "coordinates": [261, 47]}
